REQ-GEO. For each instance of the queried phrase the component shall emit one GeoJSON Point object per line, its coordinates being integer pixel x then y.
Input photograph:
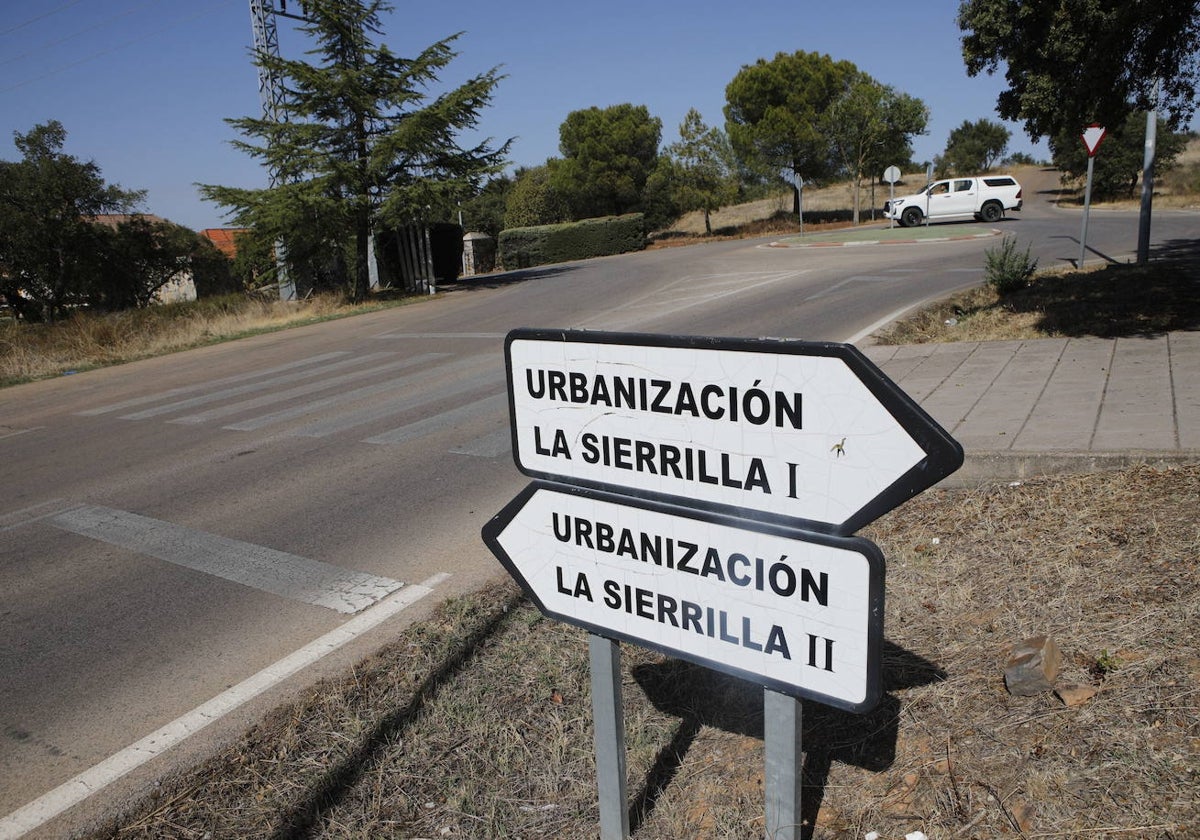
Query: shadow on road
{"type": "Point", "coordinates": [505, 278]}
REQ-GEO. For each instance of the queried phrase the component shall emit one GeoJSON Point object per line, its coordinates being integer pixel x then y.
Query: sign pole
{"type": "Point", "coordinates": [1092, 137]}
{"type": "Point", "coordinates": [782, 718]}
{"type": "Point", "coordinates": [609, 725]}
{"type": "Point", "coordinates": [1087, 206]}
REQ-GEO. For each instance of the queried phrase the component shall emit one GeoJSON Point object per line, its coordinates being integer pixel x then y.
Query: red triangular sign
{"type": "Point", "coordinates": [1093, 136]}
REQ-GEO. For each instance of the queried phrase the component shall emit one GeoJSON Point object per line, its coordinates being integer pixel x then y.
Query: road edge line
{"type": "Point", "coordinates": [91, 781]}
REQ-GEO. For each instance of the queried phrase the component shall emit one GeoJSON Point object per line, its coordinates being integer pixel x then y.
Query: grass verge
{"type": "Point", "coordinates": [88, 340]}
{"type": "Point", "coordinates": [478, 725]}
{"type": "Point", "coordinates": [1107, 301]}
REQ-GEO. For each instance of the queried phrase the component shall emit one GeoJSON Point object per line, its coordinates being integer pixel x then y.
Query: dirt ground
{"type": "Point", "coordinates": [478, 724]}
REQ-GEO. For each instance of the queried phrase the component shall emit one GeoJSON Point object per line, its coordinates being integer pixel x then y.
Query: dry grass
{"type": "Point", "coordinates": [87, 340]}
{"type": "Point", "coordinates": [1108, 301]}
{"type": "Point", "coordinates": [477, 724]}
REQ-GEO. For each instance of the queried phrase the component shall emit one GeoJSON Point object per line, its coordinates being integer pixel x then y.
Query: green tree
{"type": "Point", "coordinates": [51, 253]}
{"type": "Point", "coordinates": [702, 177]}
{"type": "Point", "coordinates": [1118, 163]}
{"type": "Point", "coordinates": [484, 211]}
{"type": "Point", "coordinates": [777, 113]}
{"type": "Point", "coordinates": [533, 200]}
{"type": "Point", "coordinates": [1069, 63]}
{"type": "Point", "coordinates": [976, 146]}
{"type": "Point", "coordinates": [870, 120]}
{"type": "Point", "coordinates": [363, 146]}
{"type": "Point", "coordinates": [608, 153]}
{"type": "Point", "coordinates": [141, 257]}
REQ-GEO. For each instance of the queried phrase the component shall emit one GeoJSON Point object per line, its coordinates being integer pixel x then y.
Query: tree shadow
{"type": "Point", "coordinates": [500, 279]}
{"type": "Point", "coordinates": [1118, 299]}
{"type": "Point", "coordinates": [701, 697]}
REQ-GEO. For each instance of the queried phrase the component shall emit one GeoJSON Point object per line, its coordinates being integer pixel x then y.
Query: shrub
{"type": "Point", "coordinates": [1008, 270]}
{"type": "Point", "coordinates": [545, 244]}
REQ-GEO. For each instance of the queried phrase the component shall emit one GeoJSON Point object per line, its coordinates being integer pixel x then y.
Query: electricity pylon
{"type": "Point", "coordinates": [274, 105]}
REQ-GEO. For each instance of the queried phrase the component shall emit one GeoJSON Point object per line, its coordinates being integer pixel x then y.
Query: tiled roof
{"type": "Point", "coordinates": [225, 239]}
{"type": "Point", "coordinates": [113, 219]}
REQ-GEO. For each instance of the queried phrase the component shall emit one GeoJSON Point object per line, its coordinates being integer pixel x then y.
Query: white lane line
{"type": "Point", "coordinates": [254, 387]}
{"type": "Point", "coordinates": [432, 377]}
{"type": "Point", "coordinates": [484, 407]}
{"type": "Point", "coordinates": [96, 778]}
{"type": "Point", "coordinates": [256, 566]}
{"type": "Point", "coordinates": [493, 445]}
{"type": "Point", "coordinates": [21, 432]}
{"type": "Point", "coordinates": [190, 389]}
{"type": "Point", "coordinates": [428, 335]}
{"type": "Point", "coordinates": [304, 390]}
{"type": "Point", "coordinates": [33, 513]}
{"type": "Point", "coordinates": [405, 402]}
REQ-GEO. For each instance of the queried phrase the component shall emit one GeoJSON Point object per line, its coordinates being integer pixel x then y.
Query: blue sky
{"type": "Point", "coordinates": [143, 86]}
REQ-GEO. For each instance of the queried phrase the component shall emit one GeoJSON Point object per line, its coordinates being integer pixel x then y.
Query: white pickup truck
{"type": "Point", "coordinates": [986, 198]}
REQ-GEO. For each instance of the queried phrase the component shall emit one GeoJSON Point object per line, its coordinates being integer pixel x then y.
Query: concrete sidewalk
{"type": "Point", "coordinates": [1025, 408]}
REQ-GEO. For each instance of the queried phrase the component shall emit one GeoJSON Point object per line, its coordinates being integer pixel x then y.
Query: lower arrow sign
{"type": "Point", "coordinates": [798, 612]}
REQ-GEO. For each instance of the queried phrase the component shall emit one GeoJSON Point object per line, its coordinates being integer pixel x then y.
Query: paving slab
{"type": "Point", "coordinates": [1023, 408]}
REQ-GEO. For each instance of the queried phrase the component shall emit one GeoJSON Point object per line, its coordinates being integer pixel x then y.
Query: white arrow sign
{"type": "Point", "coordinates": [803, 432]}
{"type": "Point", "coordinates": [800, 613]}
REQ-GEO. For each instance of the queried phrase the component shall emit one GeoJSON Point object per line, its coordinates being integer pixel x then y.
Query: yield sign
{"type": "Point", "coordinates": [809, 434]}
{"type": "Point", "coordinates": [1093, 136]}
{"type": "Point", "coordinates": [797, 612]}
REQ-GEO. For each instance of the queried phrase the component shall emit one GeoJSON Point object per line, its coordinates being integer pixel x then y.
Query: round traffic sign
{"type": "Point", "coordinates": [892, 174]}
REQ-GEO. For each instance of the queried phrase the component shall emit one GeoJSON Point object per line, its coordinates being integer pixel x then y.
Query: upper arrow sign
{"type": "Point", "coordinates": [808, 433]}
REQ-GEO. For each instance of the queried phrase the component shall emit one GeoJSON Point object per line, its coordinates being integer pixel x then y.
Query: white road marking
{"type": "Point", "coordinates": [382, 411]}
{"type": "Point", "coordinates": [190, 389]}
{"type": "Point", "coordinates": [489, 446]}
{"type": "Point", "coordinates": [428, 425]}
{"type": "Point", "coordinates": [33, 513]}
{"type": "Point", "coordinates": [304, 390]}
{"type": "Point", "coordinates": [254, 387]}
{"type": "Point", "coordinates": [265, 569]}
{"type": "Point", "coordinates": [432, 377]}
{"type": "Point", "coordinates": [91, 781]}
{"type": "Point", "coordinates": [20, 432]}
{"type": "Point", "coordinates": [482, 335]}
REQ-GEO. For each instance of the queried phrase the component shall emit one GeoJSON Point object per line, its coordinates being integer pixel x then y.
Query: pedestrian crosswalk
{"type": "Point", "coordinates": [384, 398]}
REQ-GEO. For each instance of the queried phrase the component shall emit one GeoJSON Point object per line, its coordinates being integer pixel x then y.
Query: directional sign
{"type": "Point", "coordinates": [1093, 136]}
{"type": "Point", "coordinates": [797, 612]}
{"type": "Point", "coordinates": [802, 433]}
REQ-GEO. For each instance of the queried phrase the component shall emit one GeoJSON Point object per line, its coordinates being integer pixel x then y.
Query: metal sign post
{"type": "Point", "coordinates": [891, 175]}
{"type": "Point", "coordinates": [1093, 136]}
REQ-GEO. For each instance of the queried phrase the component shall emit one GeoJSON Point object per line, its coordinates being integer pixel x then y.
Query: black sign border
{"type": "Point", "coordinates": [943, 454]}
{"type": "Point", "coordinates": [875, 613]}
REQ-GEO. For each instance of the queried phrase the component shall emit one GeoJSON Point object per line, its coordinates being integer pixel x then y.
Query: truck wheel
{"type": "Point", "coordinates": [991, 212]}
{"type": "Point", "coordinates": [911, 217]}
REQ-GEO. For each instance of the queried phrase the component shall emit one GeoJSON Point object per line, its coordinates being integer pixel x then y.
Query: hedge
{"type": "Point", "coordinates": [544, 244]}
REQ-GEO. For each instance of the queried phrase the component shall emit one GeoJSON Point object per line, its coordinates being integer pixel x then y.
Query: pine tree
{"type": "Point", "coordinates": [363, 146]}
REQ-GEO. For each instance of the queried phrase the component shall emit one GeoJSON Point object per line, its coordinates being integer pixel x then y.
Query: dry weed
{"type": "Point", "coordinates": [498, 743]}
{"type": "Point", "coordinates": [89, 340]}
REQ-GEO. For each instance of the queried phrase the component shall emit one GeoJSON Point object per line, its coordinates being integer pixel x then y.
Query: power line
{"type": "Point", "coordinates": [76, 34]}
{"type": "Point", "coordinates": [147, 36]}
{"type": "Point", "coordinates": [42, 16]}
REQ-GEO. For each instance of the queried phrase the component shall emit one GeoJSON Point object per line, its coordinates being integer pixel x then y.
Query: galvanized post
{"type": "Point", "coordinates": [782, 718]}
{"type": "Point", "coordinates": [1087, 209]}
{"type": "Point", "coordinates": [608, 719]}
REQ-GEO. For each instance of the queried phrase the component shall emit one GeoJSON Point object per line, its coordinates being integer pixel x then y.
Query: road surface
{"type": "Point", "coordinates": [172, 530]}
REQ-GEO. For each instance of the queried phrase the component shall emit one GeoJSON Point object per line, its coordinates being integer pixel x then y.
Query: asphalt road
{"type": "Point", "coordinates": [172, 528]}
